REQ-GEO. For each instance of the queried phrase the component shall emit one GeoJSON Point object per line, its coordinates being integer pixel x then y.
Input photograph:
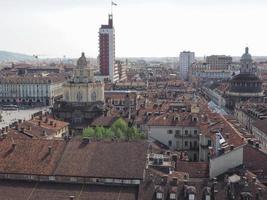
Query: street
{"type": "Point", "coordinates": [11, 116]}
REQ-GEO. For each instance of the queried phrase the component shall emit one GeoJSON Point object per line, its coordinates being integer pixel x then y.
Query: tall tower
{"type": "Point", "coordinates": [185, 61]}
{"type": "Point", "coordinates": [107, 51]}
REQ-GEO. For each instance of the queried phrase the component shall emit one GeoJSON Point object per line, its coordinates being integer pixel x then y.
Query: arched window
{"type": "Point", "coordinates": [93, 96]}
{"type": "Point", "coordinates": [79, 96]}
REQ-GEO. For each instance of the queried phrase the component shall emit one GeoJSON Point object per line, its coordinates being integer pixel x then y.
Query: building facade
{"type": "Point", "coordinates": [186, 59]}
{"type": "Point", "coordinates": [259, 130]}
{"type": "Point", "coordinates": [219, 62]}
{"type": "Point", "coordinates": [83, 98]}
{"type": "Point", "coordinates": [246, 85]}
{"type": "Point", "coordinates": [107, 51]}
{"type": "Point", "coordinates": [30, 90]}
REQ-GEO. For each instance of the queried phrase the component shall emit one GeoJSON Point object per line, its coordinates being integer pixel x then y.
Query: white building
{"type": "Point", "coordinates": [185, 61]}
{"type": "Point", "coordinates": [30, 90]}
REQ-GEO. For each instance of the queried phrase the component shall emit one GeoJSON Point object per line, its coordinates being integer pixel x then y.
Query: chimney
{"type": "Point", "coordinates": [168, 153]}
{"type": "Point", "coordinates": [55, 124]}
{"type": "Point", "coordinates": [6, 128]}
{"type": "Point", "coordinates": [250, 141]}
{"type": "Point", "coordinates": [13, 146]}
{"type": "Point", "coordinates": [39, 123]}
{"type": "Point", "coordinates": [174, 181]}
{"type": "Point", "coordinates": [232, 147]}
{"type": "Point", "coordinates": [72, 197]}
{"type": "Point", "coordinates": [44, 133]}
{"type": "Point", "coordinates": [257, 145]}
{"type": "Point", "coordinates": [20, 121]}
{"type": "Point", "coordinates": [51, 123]}
{"type": "Point", "coordinates": [258, 194]}
{"type": "Point", "coordinates": [29, 128]}
{"type": "Point", "coordinates": [254, 179]}
{"type": "Point", "coordinates": [174, 157]}
{"type": "Point", "coordinates": [22, 129]}
{"type": "Point", "coordinates": [49, 149]}
{"type": "Point", "coordinates": [164, 179]}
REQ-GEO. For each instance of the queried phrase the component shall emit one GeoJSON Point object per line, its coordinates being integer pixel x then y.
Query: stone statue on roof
{"type": "Point", "coordinates": [82, 62]}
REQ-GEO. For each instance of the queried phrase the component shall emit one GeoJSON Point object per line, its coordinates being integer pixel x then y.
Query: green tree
{"type": "Point", "coordinates": [98, 132]}
{"type": "Point", "coordinates": [119, 124]}
{"type": "Point", "coordinates": [109, 133]}
{"type": "Point", "coordinates": [88, 132]}
{"type": "Point", "coordinates": [118, 134]}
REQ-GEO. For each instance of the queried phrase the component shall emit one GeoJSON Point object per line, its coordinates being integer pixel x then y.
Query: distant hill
{"type": "Point", "coordinates": [9, 56]}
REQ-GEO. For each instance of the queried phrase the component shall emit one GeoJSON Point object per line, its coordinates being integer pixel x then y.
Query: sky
{"type": "Point", "coordinates": [143, 28]}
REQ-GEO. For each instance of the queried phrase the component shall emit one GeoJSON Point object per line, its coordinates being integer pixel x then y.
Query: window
{"type": "Point", "coordinates": [93, 96]}
{"type": "Point", "coordinates": [51, 178]}
{"type": "Point", "coordinates": [73, 179]}
{"type": "Point", "coordinates": [177, 133]}
{"type": "Point", "coordinates": [209, 143]}
{"type": "Point", "coordinates": [169, 131]}
{"type": "Point", "coordinates": [159, 195]}
{"type": "Point", "coordinates": [191, 197]}
{"type": "Point", "coordinates": [195, 132]}
{"type": "Point", "coordinates": [172, 196]}
{"type": "Point", "coordinates": [170, 143]}
{"type": "Point", "coordinates": [185, 143]}
{"type": "Point", "coordinates": [195, 144]}
{"type": "Point", "coordinates": [186, 132]}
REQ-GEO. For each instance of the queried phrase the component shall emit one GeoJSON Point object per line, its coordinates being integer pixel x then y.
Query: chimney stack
{"type": "Point", "coordinates": [72, 197]}
{"type": "Point", "coordinates": [174, 181]}
{"type": "Point", "coordinates": [49, 149]}
{"type": "Point", "coordinates": [13, 146]}
{"type": "Point", "coordinates": [257, 145]}
{"type": "Point", "coordinates": [22, 129]}
{"type": "Point", "coordinates": [164, 180]}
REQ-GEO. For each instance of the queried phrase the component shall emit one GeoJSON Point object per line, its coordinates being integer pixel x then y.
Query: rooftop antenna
{"type": "Point", "coordinates": [112, 4]}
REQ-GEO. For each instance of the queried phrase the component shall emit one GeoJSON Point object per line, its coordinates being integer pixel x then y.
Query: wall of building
{"type": "Point", "coordinates": [34, 92]}
{"type": "Point", "coordinates": [83, 92]}
{"type": "Point", "coordinates": [261, 136]}
{"type": "Point", "coordinates": [185, 61]}
{"type": "Point", "coordinates": [228, 160]}
{"type": "Point", "coordinates": [177, 138]}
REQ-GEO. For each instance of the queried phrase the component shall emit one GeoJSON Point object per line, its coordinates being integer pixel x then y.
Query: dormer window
{"type": "Point", "coordinates": [172, 196]}
{"type": "Point", "coordinates": [191, 197]}
{"type": "Point", "coordinates": [159, 195]}
{"type": "Point", "coordinates": [207, 197]}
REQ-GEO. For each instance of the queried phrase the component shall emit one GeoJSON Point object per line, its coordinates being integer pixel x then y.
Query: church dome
{"type": "Point", "coordinates": [82, 62]}
{"type": "Point", "coordinates": [246, 55]}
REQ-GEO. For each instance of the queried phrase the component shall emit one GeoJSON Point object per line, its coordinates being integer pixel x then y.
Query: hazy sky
{"type": "Point", "coordinates": [54, 28]}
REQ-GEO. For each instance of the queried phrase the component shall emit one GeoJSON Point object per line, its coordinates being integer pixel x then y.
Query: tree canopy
{"type": "Point", "coordinates": [119, 129]}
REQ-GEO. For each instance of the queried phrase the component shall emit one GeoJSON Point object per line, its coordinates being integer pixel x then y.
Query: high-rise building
{"type": "Point", "coordinates": [219, 62]}
{"type": "Point", "coordinates": [107, 51]}
{"type": "Point", "coordinates": [185, 61]}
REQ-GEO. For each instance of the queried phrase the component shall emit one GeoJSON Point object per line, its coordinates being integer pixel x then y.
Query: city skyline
{"type": "Point", "coordinates": [150, 29]}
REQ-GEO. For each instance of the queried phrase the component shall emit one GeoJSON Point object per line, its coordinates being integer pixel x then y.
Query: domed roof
{"type": "Point", "coordinates": [246, 78]}
{"type": "Point", "coordinates": [82, 62]}
{"type": "Point", "coordinates": [246, 55]}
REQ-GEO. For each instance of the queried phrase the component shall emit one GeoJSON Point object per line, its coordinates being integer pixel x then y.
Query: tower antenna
{"type": "Point", "coordinates": [112, 4]}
